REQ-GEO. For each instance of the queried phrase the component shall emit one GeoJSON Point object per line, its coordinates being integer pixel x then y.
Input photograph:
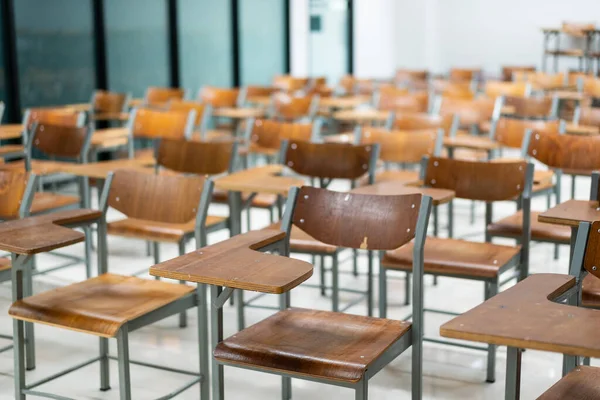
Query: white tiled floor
{"type": "Point", "coordinates": [450, 372]}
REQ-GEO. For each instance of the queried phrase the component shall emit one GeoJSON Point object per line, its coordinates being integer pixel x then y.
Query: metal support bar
{"type": "Point", "coordinates": [222, 298]}
{"type": "Point", "coordinates": [513, 374]}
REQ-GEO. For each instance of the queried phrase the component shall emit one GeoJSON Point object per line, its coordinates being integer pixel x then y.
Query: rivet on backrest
{"type": "Point", "coordinates": [435, 163]}
{"type": "Point", "coordinates": [301, 221]}
{"type": "Point", "coordinates": [290, 163]}
{"type": "Point", "coordinates": [364, 166]}
{"type": "Point", "coordinates": [433, 181]}
{"type": "Point", "coordinates": [534, 152]}
{"type": "Point", "coordinates": [294, 146]}
{"type": "Point", "coordinates": [413, 206]}
{"type": "Point", "coordinates": [305, 196]}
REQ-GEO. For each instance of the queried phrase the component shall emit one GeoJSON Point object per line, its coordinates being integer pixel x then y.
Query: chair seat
{"type": "Point", "coordinates": [156, 231]}
{"type": "Point", "coordinates": [512, 226]}
{"type": "Point", "coordinates": [11, 149]}
{"type": "Point", "coordinates": [392, 175]}
{"type": "Point", "coordinates": [261, 200]}
{"type": "Point", "coordinates": [313, 343]}
{"type": "Point", "coordinates": [302, 242]}
{"type": "Point", "coordinates": [99, 306]}
{"type": "Point", "coordinates": [47, 201]}
{"type": "Point", "coordinates": [590, 292]}
{"type": "Point", "coordinates": [582, 383]}
{"type": "Point", "coordinates": [455, 257]}
{"type": "Point", "coordinates": [5, 264]}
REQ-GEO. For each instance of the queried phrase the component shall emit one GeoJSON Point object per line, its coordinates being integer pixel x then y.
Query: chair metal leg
{"type": "Point", "coordinates": [29, 329]}
{"type": "Point", "coordinates": [123, 357]}
{"type": "Point", "coordinates": [362, 390]}
{"type": "Point", "coordinates": [286, 381]}
{"type": "Point", "coordinates": [19, 358]}
{"type": "Point", "coordinates": [335, 294]}
{"type": "Point", "coordinates": [407, 289]}
{"type": "Point", "coordinates": [382, 292]}
{"type": "Point", "coordinates": [491, 289]}
{"type": "Point", "coordinates": [435, 280]}
{"type": "Point", "coordinates": [239, 301]}
{"type": "Point", "coordinates": [586, 361]}
{"type": "Point", "coordinates": [88, 251]}
{"type": "Point", "coordinates": [148, 249]}
{"type": "Point", "coordinates": [451, 217]}
{"type": "Point", "coordinates": [156, 254]}
{"type": "Point", "coordinates": [203, 349]}
{"type": "Point", "coordinates": [435, 221]}
{"type": "Point", "coordinates": [248, 220]}
{"type": "Point", "coordinates": [573, 186]}
{"type": "Point", "coordinates": [322, 272]}
{"type": "Point", "coordinates": [513, 374]}
{"type": "Point", "coordinates": [472, 213]}
{"type": "Point", "coordinates": [216, 326]}
{"type": "Point", "coordinates": [370, 285]}
{"type": "Point", "coordinates": [355, 262]}
{"type": "Point", "coordinates": [183, 314]}
{"type": "Point", "coordinates": [104, 365]}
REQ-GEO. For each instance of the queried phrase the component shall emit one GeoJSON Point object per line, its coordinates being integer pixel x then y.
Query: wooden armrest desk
{"type": "Point", "coordinates": [391, 188]}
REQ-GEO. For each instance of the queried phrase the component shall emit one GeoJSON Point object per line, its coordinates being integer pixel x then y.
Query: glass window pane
{"type": "Point", "coordinates": [205, 45]}
{"type": "Point", "coordinates": [262, 40]}
{"type": "Point", "coordinates": [136, 45]}
{"type": "Point", "coordinates": [55, 51]}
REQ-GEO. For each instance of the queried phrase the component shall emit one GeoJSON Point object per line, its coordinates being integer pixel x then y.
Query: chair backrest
{"type": "Point", "coordinates": [502, 88]}
{"type": "Point", "coordinates": [420, 121]}
{"type": "Point", "coordinates": [194, 157]}
{"type": "Point", "coordinates": [161, 198]}
{"type": "Point", "coordinates": [159, 96]}
{"type": "Point", "coordinates": [476, 180]}
{"type": "Point", "coordinates": [268, 134]}
{"type": "Point", "coordinates": [60, 141]}
{"type": "Point", "coordinates": [16, 193]}
{"type": "Point", "coordinates": [202, 110]}
{"type": "Point", "coordinates": [404, 75]}
{"type": "Point", "coordinates": [533, 107]}
{"type": "Point", "coordinates": [509, 70]}
{"type": "Point", "coordinates": [541, 80]}
{"type": "Point", "coordinates": [403, 102]}
{"type": "Point", "coordinates": [289, 83]}
{"type": "Point", "coordinates": [320, 90]}
{"type": "Point", "coordinates": [54, 116]}
{"type": "Point", "coordinates": [291, 108]}
{"type": "Point", "coordinates": [398, 146]}
{"type": "Point", "coordinates": [357, 221]}
{"type": "Point", "coordinates": [259, 91]}
{"type": "Point", "coordinates": [453, 89]}
{"type": "Point", "coordinates": [331, 160]}
{"type": "Point", "coordinates": [587, 116]}
{"type": "Point", "coordinates": [510, 132]}
{"type": "Point", "coordinates": [465, 74]}
{"type": "Point", "coordinates": [589, 85]}
{"type": "Point", "coordinates": [104, 101]}
{"type": "Point", "coordinates": [218, 97]}
{"type": "Point", "coordinates": [470, 111]}
{"type": "Point", "coordinates": [581, 153]}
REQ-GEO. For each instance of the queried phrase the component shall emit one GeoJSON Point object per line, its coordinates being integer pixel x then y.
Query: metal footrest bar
{"type": "Point", "coordinates": [467, 346]}
{"type": "Point", "coordinates": [313, 286]}
{"type": "Point", "coordinates": [62, 373]}
{"type": "Point", "coordinates": [45, 271]}
{"type": "Point", "coordinates": [513, 275]}
{"type": "Point", "coordinates": [3, 349]}
{"type": "Point", "coordinates": [7, 337]}
{"type": "Point", "coordinates": [254, 298]}
{"type": "Point", "coordinates": [437, 311]}
{"type": "Point", "coordinates": [67, 256]}
{"type": "Point", "coordinates": [140, 272]}
{"type": "Point", "coordinates": [181, 389]}
{"type": "Point", "coordinates": [353, 303]}
{"type": "Point", "coordinates": [168, 369]}
{"type": "Point", "coordinates": [46, 395]}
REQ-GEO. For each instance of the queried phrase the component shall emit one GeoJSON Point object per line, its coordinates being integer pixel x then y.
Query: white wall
{"type": "Point", "coordinates": [299, 34]}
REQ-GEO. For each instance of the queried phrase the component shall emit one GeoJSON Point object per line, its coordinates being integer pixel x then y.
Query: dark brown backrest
{"type": "Point", "coordinates": [475, 180]}
{"type": "Point", "coordinates": [12, 188]}
{"type": "Point", "coordinates": [565, 151]}
{"type": "Point", "coordinates": [161, 198]}
{"type": "Point", "coordinates": [60, 141]}
{"type": "Point", "coordinates": [186, 106]}
{"type": "Point", "coordinates": [507, 71]}
{"type": "Point", "coordinates": [109, 102]}
{"type": "Point", "coordinates": [328, 160]}
{"type": "Point", "coordinates": [403, 102]}
{"type": "Point", "coordinates": [159, 96]}
{"type": "Point", "coordinates": [194, 157]}
{"type": "Point", "coordinates": [464, 74]}
{"type": "Point", "coordinates": [268, 134]}
{"type": "Point", "coordinates": [218, 97]}
{"type": "Point", "coordinates": [592, 251]}
{"type": "Point", "coordinates": [531, 107]}
{"type": "Point", "coordinates": [510, 132]}
{"type": "Point", "coordinates": [401, 146]}
{"type": "Point", "coordinates": [290, 107]}
{"type": "Point", "coordinates": [420, 121]}
{"type": "Point", "coordinates": [151, 123]}
{"type": "Point", "coordinates": [470, 111]}
{"type": "Point", "coordinates": [589, 116]}
{"type": "Point", "coordinates": [357, 221]}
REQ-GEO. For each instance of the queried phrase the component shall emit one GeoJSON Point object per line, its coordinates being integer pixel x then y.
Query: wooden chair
{"type": "Point", "coordinates": [160, 96]}
{"type": "Point", "coordinates": [152, 124]}
{"type": "Point", "coordinates": [399, 100]}
{"type": "Point", "coordinates": [509, 132]}
{"type": "Point", "coordinates": [107, 106]}
{"type": "Point", "coordinates": [358, 86]}
{"type": "Point", "coordinates": [423, 121]}
{"type": "Point", "coordinates": [508, 71]}
{"type": "Point", "coordinates": [161, 208]}
{"type": "Point", "coordinates": [589, 85]}
{"type": "Point", "coordinates": [495, 89]}
{"type": "Point", "coordinates": [290, 84]}
{"type": "Point", "coordinates": [400, 148]}
{"type": "Point", "coordinates": [219, 97]}
{"type": "Point", "coordinates": [52, 116]}
{"type": "Point", "coordinates": [286, 107]}
{"type": "Point", "coordinates": [305, 344]}
{"type": "Point", "coordinates": [453, 89]}
{"type": "Point", "coordinates": [485, 262]}
{"type": "Point", "coordinates": [588, 116]}
{"type": "Point", "coordinates": [203, 117]}
{"type": "Point", "coordinates": [404, 76]}
{"type": "Point", "coordinates": [545, 107]}
{"type": "Point", "coordinates": [251, 91]}
{"type": "Point", "coordinates": [111, 305]}
{"type": "Point", "coordinates": [473, 114]}
{"type": "Point", "coordinates": [541, 80]}
{"type": "Point", "coordinates": [465, 74]}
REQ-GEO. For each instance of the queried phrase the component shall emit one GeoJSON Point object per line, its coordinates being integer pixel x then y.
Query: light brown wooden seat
{"type": "Point", "coordinates": [98, 306]}
{"type": "Point", "coordinates": [313, 343]}
{"type": "Point", "coordinates": [156, 231]}
{"type": "Point", "coordinates": [160, 96]}
{"type": "Point", "coordinates": [202, 111]}
{"type": "Point", "coordinates": [579, 384]}
{"type": "Point", "coordinates": [400, 100]}
{"type": "Point", "coordinates": [512, 226]}
{"type": "Point", "coordinates": [471, 112]}
{"type": "Point", "coordinates": [455, 257]}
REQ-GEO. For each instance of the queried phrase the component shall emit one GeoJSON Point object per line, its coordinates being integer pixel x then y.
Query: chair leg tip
{"type": "Point", "coordinates": [29, 368]}
{"type": "Point", "coordinates": [490, 380]}
{"type": "Point", "coordinates": [106, 389]}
